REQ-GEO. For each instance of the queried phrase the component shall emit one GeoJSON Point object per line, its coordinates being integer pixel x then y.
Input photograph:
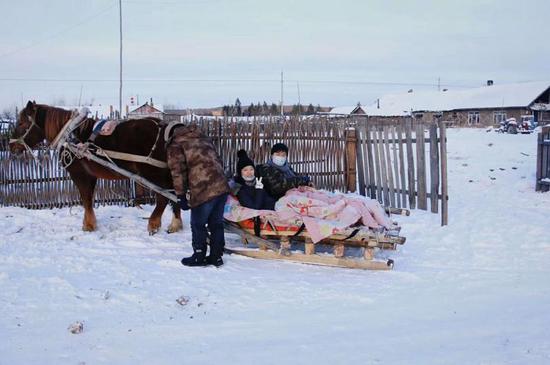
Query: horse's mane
{"type": "Point", "coordinates": [54, 119]}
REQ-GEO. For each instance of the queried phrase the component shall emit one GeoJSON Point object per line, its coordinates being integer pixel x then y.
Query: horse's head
{"type": "Point", "coordinates": [28, 131]}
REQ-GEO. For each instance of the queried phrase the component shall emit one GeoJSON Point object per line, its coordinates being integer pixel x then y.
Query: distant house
{"type": "Point", "coordinates": [344, 111]}
{"type": "Point", "coordinates": [477, 107]}
{"type": "Point", "coordinates": [146, 110]}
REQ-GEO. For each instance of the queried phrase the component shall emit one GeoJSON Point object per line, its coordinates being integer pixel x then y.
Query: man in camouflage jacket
{"type": "Point", "coordinates": [200, 184]}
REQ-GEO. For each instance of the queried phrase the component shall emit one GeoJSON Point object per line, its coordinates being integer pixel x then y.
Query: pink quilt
{"type": "Point", "coordinates": [323, 213]}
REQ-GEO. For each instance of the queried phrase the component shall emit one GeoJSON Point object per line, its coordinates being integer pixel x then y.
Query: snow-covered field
{"type": "Point", "coordinates": [474, 292]}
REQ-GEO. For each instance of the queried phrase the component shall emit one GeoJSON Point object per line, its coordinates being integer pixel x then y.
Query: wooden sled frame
{"type": "Point", "coordinates": [278, 246]}
{"type": "Point", "coordinates": [282, 250]}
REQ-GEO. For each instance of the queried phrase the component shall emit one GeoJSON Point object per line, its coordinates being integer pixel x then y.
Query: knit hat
{"type": "Point", "coordinates": [243, 160]}
{"type": "Point", "coordinates": [277, 147]}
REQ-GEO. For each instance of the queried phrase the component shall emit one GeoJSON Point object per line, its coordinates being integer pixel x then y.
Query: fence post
{"type": "Point", "coordinates": [443, 156]}
{"type": "Point", "coordinates": [351, 159]}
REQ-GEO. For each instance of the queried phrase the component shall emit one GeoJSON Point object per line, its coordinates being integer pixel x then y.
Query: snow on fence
{"type": "Point", "coordinates": [543, 159]}
{"type": "Point", "coordinates": [398, 162]}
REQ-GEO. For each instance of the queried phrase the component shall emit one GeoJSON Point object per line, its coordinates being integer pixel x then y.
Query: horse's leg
{"type": "Point", "coordinates": [86, 186]}
{"type": "Point", "coordinates": [155, 218]}
{"type": "Point", "coordinates": [176, 224]}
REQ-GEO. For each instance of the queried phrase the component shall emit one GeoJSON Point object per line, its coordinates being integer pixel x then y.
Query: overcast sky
{"type": "Point", "coordinates": [201, 53]}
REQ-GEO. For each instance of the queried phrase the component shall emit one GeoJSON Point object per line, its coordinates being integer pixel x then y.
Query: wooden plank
{"type": "Point", "coordinates": [309, 247]}
{"type": "Point", "coordinates": [362, 160]}
{"type": "Point", "coordinates": [339, 250]}
{"type": "Point", "coordinates": [421, 167]}
{"type": "Point", "coordinates": [351, 159]}
{"type": "Point", "coordinates": [395, 158]}
{"type": "Point", "coordinates": [316, 259]}
{"type": "Point", "coordinates": [399, 131]}
{"type": "Point", "coordinates": [377, 167]}
{"type": "Point", "coordinates": [541, 163]}
{"type": "Point", "coordinates": [410, 165]}
{"type": "Point", "coordinates": [371, 191]}
{"type": "Point", "coordinates": [443, 154]}
{"type": "Point", "coordinates": [434, 168]}
{"type": "Point", "coordinates": [387, 144]}
{"type": "Point", "coordinates": [381, 152]}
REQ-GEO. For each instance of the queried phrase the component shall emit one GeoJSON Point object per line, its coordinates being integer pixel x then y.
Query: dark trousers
{"type": "Point", "coordinates": [210, 213]}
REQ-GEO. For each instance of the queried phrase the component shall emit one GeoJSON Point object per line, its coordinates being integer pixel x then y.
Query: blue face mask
{"type": "Point", "coordinates": [278, 160]}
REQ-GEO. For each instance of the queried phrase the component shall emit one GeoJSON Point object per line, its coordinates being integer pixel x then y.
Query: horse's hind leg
{"type": "Point", "coordinates": [86, 188]}
{"type": "Point", "coordinates": [176, 224]}
{"type": "Point", "coordinates": [155, 218]}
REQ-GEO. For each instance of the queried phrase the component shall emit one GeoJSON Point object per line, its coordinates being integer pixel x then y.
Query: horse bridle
{"type": "Point", "coordinates": [21, 140]}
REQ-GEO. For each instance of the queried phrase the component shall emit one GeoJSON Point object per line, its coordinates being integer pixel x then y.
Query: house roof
{"type": "Point", "coordinates": [347, 110]}
{"type": "Point", "coordinates": [495, 96]}
{"type": "Point", "coordinates": [158, 107]}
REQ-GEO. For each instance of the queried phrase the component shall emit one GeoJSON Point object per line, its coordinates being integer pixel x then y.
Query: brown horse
{"type": "Point", "coordinates": [137, 137]}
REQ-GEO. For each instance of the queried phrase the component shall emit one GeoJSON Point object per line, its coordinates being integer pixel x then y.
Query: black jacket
{"type": "Point", "coordinates": [251, 197]}
{"type": "Point", "coordinates": [275, 182]}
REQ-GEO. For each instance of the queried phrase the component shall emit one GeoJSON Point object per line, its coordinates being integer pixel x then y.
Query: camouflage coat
{"type": "Point", "coordinates": [276, 183]}
{"type": "Point", "coordinates": [195, 166]}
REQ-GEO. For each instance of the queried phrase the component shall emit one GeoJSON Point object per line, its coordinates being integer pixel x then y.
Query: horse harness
{"type": "Point", "coordinates": [64, 137]}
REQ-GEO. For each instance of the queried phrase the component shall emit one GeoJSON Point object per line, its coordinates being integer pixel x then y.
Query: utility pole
{"type": "Point", "coordinates": [80, 97]}
{"type": "Point", "coordinates": [120, 84]}
{"type": "Point", "coordinates": [299, 101]}
{"type": "Point", "coordinates": [439, 84]}
{"type": "Point", "coordinates": [282, 100]}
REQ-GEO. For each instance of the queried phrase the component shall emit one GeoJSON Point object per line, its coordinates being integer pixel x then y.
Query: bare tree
{"type": "Point", "coordinates": [9, 112]}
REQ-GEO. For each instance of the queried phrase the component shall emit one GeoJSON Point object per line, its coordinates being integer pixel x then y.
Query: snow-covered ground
{"type": "Point", "coordinates": [474, 292]}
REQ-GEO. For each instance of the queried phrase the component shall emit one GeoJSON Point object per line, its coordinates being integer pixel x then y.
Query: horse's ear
{"type": "Point", "coordinates": [30, 105]}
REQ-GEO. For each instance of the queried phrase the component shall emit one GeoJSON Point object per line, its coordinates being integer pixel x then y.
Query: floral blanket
{"type": "Point", "coordinates": [323, 213]}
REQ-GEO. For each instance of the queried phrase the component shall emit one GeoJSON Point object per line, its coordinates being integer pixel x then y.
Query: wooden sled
{"type": "Point", "coordinates": [294, 244]}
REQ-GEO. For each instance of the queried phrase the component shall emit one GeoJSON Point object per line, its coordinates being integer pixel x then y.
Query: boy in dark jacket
{"type": "Point", "coordinates": [249, 189]}
{"type": "Point", "coordinates": [200, 184]}
{"type": "Point", "coordinates": [277, 175]}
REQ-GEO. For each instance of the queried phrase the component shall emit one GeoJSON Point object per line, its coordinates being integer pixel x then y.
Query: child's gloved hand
{"type": "Point", "coordinates": [259, 184]}
{"type": "Point", "coordinates": [182, 200]}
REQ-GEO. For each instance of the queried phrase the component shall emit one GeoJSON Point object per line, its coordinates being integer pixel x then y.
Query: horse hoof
{"type": "Point", "coordinates": [175, 226]}
{"type": "Point", "coordinates": [153, 231]}
{"type": "Point", "coordinates": [88, 228]}
{"type": "Point", "coordinates": [173, 229]}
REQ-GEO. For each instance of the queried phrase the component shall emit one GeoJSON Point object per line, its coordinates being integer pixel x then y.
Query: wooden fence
{"type": "Point", "coordinates": [543, 160]}
{"type": "Point", "coordinates": [404, 164]}
{"type": "Point", "coordinates": [316, 146]}
{"type": "Point", "coordinates": [39, 182]}
{"type": "Point", "coordinates": [400, 163]}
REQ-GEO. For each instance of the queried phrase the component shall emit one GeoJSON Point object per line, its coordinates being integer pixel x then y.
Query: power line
{"type": "Point", "coordinates": [357, 82]}
{"type": "Point", "coordinates": [57, 34]}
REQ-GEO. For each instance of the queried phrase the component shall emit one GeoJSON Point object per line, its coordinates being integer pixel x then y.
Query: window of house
{"type": "Point", "coordinates": [473, 117]}
{"type": "Point", "coordinates": [499, 117]}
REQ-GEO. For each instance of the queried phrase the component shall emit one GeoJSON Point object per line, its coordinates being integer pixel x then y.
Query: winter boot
{"type": "Point", "coordinates": [214, 260]}
{"type": "Point", "coordinates": [197, 259]}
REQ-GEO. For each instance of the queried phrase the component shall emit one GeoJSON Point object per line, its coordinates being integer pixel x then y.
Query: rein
{"type": "Point", "coordinates": [21, 140]}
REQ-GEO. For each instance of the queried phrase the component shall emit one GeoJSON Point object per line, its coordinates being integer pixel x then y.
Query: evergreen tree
{"type": "Point", "coordinates": [310, 109]}
{"type": "Point", "coordinates": [238, 110]}
{"type": "Point", "coordinates": [265, 108]}
{"type": "Point", "coordinates": [274, 110]}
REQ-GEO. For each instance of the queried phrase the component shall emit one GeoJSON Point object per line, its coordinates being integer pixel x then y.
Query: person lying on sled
{"type": "Point", "coordinates": [248, 189]}
{"type": "Point", "coordinates": [277, 175]}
